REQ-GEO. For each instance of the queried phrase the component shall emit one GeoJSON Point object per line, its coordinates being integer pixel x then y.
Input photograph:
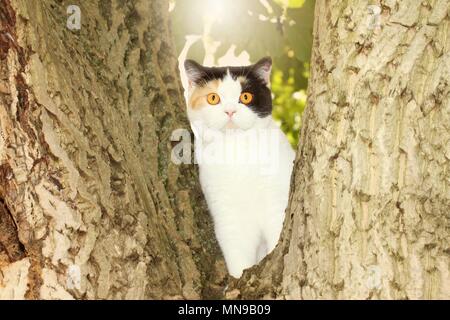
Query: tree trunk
{"type": "Point", "coordinates": [91, 205]}
{"type": "Point", "coordinates": [369, 208]}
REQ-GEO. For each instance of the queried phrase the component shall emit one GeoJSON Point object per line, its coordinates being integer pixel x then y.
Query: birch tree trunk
{"type": "Point", "coordinates": [369, 212]}
{"type": "Point", "coordinates": [91, 205]}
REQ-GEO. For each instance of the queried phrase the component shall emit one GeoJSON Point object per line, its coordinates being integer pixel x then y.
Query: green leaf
{"type": "Point", "coordinates": [290, 3]}
{"type": "Point", "coordinates": [295, 3]}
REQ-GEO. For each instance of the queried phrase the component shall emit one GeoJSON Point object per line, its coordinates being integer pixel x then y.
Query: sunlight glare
{"type": "Point", "coordinates": [231, 59]}
{"type": "Point", "coordinates": [214, 9]}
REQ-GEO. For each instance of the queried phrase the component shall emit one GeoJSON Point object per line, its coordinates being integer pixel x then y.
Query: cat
{"type": "Point", "coordinates": [246, 198]}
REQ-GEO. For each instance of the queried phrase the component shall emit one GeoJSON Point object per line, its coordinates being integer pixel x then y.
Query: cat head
{"type": "Point", "coordinates": [229, 97]}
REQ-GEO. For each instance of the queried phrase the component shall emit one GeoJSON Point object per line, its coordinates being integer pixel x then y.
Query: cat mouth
{"type": "Point", "coordinates": [231, 125]}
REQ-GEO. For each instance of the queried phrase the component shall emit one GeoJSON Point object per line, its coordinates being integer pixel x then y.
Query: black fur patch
{"type": "Point", "coordinates": [254, 83]}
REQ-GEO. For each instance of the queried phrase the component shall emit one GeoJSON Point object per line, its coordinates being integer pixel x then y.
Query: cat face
{"type": "Point", "coordinates": [229, 97]}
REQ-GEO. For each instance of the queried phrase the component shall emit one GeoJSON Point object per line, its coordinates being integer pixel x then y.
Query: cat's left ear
{"type": "Point", "coordinates": [194, 72]}
{"type": "Point", "coordinates": [263, 69]}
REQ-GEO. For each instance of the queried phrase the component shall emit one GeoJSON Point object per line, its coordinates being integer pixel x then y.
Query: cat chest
{"type": "Point", "coordinates": [234, 179]}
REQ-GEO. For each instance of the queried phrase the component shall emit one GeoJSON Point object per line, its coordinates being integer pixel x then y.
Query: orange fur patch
{"type": "Point", "coordinates": [198, 96]}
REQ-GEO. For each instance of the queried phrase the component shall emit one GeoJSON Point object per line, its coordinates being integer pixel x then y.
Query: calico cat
{"type": "Point", "coordinates": [246, 198]}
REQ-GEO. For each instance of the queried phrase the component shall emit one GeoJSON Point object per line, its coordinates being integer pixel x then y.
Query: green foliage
{"type": "Point", "coordinates": [281, 29]}
{"type": "Point", "coordinates": [259, 38]}
{"type": "Point", "coordinates": [291, 3]}
{"type": "Point", "coordinates": [299, 35]}
{"type": "Point", "coordinates": [288, 104]}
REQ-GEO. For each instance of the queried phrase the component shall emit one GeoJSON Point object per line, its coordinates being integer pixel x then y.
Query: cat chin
{"type": "Point", "coordinates": [231, 125]}
{"type": "Point", "coordinates": [238, 124]}
{"type": "Point", "coordinates": [228, 125]}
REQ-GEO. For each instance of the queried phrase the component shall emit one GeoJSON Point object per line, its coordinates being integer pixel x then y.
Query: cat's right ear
{"type": "Point", "coordinates": [263, 69]}
{"type": "Point", "coordinates": [194, 72]}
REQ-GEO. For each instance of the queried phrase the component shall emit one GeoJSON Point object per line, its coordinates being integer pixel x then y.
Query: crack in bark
{"type": "Point", "coordinates": [7, 23]}
{"type": "Point", "coordinates": [9, 239]}
{"type": "Point", "coordinates": [9, 230]}
{"type": "Point", "coordinates": [8, 40]}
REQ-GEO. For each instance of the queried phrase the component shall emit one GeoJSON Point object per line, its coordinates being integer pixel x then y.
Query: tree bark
{"type": "Point", "coordinates": [369, 208]}
{"type": "Point", "coordinates": [88, 192]}
{"type": "Point", "coordinates": [87, 185]}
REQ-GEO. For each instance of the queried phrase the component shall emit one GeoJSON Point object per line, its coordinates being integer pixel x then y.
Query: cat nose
{"type": "Point", "coordinates": [230, 113]}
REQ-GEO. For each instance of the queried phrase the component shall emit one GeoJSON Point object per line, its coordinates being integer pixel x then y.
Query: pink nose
{"type": "Point", "coordinates": [230, 113]}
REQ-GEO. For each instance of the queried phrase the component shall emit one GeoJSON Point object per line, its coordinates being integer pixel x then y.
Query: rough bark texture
{"type": "Point", "coordinates": [86, 179]}
{"type": "Point", "coordinates": [369, 211]}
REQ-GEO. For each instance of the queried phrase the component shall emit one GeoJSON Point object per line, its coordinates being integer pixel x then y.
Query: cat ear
{"type": "Point", "coordinates": [194, 71]}
{"type": "Point", "coordinates": [263, 68]}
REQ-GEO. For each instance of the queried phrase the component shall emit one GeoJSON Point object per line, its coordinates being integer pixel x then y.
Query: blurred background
{"type": "Point", "coordinates": [225, 32]}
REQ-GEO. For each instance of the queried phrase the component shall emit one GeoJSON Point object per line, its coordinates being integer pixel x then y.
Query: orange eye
{"type": "Point", "coordinates": [246, 98]}
{"type": "Point", "coordinates": [213, 98]}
